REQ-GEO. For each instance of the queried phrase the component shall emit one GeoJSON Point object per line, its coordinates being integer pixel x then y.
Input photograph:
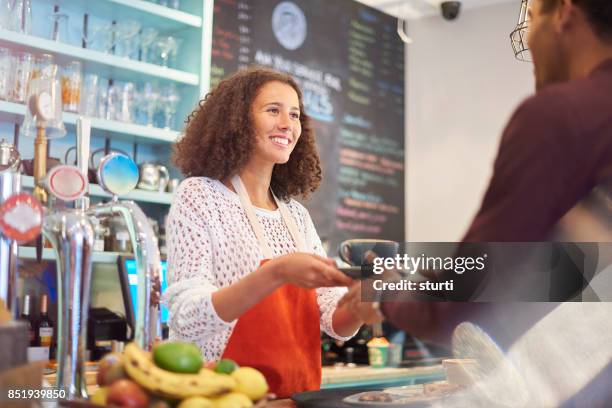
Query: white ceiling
{"type": "Point", "coordinates": [411, 9]}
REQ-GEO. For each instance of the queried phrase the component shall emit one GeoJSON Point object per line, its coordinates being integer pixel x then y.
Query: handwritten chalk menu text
{"type": "Point", "coordinates": [349, 62]}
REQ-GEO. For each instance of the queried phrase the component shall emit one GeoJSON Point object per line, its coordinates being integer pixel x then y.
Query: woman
{"type": "Point", "coordinates": [244, 258]}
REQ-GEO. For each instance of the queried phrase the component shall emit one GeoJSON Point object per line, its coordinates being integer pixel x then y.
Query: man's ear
{"type": "Point", "coordinates": [565, 15]}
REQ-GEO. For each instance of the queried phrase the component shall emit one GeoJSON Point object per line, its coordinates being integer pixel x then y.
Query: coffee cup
{"type": "Point", "coordinates": [359, 252]}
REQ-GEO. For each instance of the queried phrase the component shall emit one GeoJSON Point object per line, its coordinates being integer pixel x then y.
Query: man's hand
{"type": "Point", "coordinates": [367, 312]}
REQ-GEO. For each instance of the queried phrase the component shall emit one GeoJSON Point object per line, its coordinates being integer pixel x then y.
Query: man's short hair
{"type": "Point", "coordinates": [599, 13]}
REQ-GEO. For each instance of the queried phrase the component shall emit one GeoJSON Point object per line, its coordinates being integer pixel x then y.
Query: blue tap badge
{"type": "Point", "coordinates": [117, 174]}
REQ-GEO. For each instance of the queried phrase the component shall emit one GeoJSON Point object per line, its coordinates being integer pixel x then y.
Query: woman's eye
{"type": "Point", "coordinates": [295, 115]}
{"type": "Point", "coordinates": [273, 110]}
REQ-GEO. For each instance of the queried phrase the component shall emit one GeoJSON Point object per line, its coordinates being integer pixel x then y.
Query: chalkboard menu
{"type": "Point", "coordinates": [349, 62]}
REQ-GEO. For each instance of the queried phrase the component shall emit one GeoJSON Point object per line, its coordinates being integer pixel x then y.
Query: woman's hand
{"type": "Point", "coordinates": [306, 271]}
{"type": "Point", "coordinates": [367, 312]}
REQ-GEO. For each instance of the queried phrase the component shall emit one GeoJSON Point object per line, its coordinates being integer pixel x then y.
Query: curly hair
{"type": "Point", "coordinates": [219, 137]}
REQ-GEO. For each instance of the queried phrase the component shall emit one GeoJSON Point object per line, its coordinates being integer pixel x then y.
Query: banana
{"type": "Point", "coordinates": [141, 368]}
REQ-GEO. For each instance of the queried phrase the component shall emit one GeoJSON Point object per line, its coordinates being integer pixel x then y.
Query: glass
{"type": "Point", "coordinates": [98, 37]}
{"type": "Point", "coordinates": [71, 86]}
{"type": "Point", "coordinates": [175, 4]}
{"type": "Point", "coordinates": [20, 19]}
{"type": "Point", "coordinates": [147, 38]}
{"type": "Point", "coordinates": [59, 27]}
{"type": "Point", "coordinates": [5, 69]}
{"type": "Point", "coordinates": [5, 14]}
{"type": "Point", "coordinates": [112, 101]}
{"type": "Point", "coordinates": [89, 96]}
{"type": "Point", "coordinates": [170, 100]}
{"type": "Point", "coordinates": [103, 87]}
{"type": "Point", "coordinates": [44, 66]}
{"type": "Point", "coordinates": [127, 39]}
{"type": "Point", "coordinates": [149, 102]}
{"type": "Point", "coordinates": [22, 63]}
{"type": "Point", "coordinates": [164, 47]}
{"type": "Point", "coordinates": [174, 52]}
{"type": "Point", "coordinates": [126, 103]}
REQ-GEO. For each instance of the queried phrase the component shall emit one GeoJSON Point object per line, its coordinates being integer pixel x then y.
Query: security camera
{"type": "Point", "coordinates": [450, 9]}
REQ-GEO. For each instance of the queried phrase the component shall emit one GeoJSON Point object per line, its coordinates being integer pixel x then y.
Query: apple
{"type": "Point", "coordinates": [110, 369]}
{"type": "Point", "coordinates": [128, 394]}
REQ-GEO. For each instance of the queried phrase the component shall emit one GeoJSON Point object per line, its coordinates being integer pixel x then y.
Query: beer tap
{"type": "Point", "coordinates": [10, 184]}
{"type": "Point", "coordinates": [71, 234]}
{"type": "Point", "coordinates": [118, 175]}
{"type": "Point", "coordinates": [69, 231]}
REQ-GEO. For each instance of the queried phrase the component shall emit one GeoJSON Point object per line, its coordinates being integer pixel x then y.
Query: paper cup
{"type": "Point", "coordinates": [378, 356]}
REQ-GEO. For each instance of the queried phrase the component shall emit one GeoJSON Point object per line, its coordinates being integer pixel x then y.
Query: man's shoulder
{"type": "Point", "coordinates": [551, 114]}
{"type": "Point", "coordinates": [572, 96]}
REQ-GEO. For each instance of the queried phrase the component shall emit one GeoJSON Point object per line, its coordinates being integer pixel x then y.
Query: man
{"type": "Point", "coordinates": [558, 144]}
{"type": "Point", "coordinates": [556, 148]}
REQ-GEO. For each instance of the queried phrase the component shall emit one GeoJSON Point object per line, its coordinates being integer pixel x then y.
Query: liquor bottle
{"type": "Point", "coordinates": [26, 316]}
{"type": "Point", "coordinates": [45, 325]}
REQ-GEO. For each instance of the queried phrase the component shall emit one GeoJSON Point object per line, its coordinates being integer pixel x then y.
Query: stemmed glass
{"type": "Point", "coordinates": [164, 47]}
{"type": "Point", "coordinates": [126, 38]}
{"type": "Point", "coordinates": [97, 37]}
{"type": "Point", "coordinates": [147, 38]}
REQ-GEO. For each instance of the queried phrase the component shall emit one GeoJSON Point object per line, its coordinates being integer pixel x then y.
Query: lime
{"type": "Point", "coordinates": [178, 357]}
{"type": "Point", "coordinates": [226, 366]}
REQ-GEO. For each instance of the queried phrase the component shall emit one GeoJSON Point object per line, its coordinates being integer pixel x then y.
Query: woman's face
{"type": "Point", "coordinates": [276, 122]}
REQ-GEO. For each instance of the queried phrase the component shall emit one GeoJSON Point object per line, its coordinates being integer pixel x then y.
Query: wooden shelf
{"type": "Point", "coordinates": [100, 127]}
{"type": "Point", "coordinates": [135, 195]}
{"type": "Point", "coordinates": [106, 65]}
{"type": "Point", "coordinates": [49, 255]}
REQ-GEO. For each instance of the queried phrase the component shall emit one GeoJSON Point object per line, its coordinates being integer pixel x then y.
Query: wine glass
{"type": "Point", "coordinates": [147, 38]}
{"type": "Point", "coordinates": [126, 38]}
{"type": "Point", "coordinates": [164, 47]}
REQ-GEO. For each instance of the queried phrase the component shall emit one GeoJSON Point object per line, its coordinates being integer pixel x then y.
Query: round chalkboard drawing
{"type": "Point", "coordinates": [289, 25]}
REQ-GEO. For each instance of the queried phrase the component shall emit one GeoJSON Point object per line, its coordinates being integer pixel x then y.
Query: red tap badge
{"type": "Point", "coordinates": [21, 217]}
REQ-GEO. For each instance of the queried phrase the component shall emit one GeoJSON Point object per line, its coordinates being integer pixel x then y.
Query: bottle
{"type": "Point", "coordinates": [45, 326]}
{"type": "Point", "coordinates": [26, 316]}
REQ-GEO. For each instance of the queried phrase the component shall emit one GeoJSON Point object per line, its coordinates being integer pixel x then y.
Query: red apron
{"type": "Point", "coordinates": [280, 336]}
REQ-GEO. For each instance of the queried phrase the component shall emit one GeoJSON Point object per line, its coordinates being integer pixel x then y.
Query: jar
{"type": "Point", "coordinates": [20, 76]}
{"type": "Point", "coordinates": [71, 87]}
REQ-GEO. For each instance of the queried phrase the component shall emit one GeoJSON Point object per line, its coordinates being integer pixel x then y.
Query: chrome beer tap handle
{"type": "Point", "coordinates": [118, 175]}
{"type": "Point", "coordinates": [71, 234]}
